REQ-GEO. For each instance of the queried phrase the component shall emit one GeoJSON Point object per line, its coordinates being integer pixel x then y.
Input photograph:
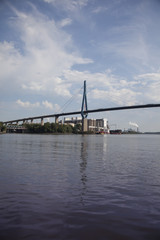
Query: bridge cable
{"type": "Point", "coordinates": [69, 101]}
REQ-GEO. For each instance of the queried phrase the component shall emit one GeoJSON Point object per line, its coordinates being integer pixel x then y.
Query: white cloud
{"type": "Point", "coordinates": [27, 104]}
{"type": "Point", "coordinates": [56, 108]}
{"type": "Point", "coordinates": [36, 105]}
{"type": "Point", "coordinates": [108, 86]}
{"type": "Point", "coordinates": [62, 90]}
{"type": "Point", "coordinates": [153, 92]}
{"type": "Point", "coordinates": [10, 61]}
{"type": "Point", "coordinates": [119, 97]}
{"type": "Point", "coordinates": [149, 76]}
{"type": "Point", "coordinates": [65, 22]}
{"type": "Point", "coordinates": [99, 9]}
{"type": "Point", "coordinates": [35, 86]}
{"type": "Point", "coordinates": [47, 51]}
{"type": "Point", "coordinates": [68, 5]}
{"type": "Point", "coordinates": [150, 85]}
{"type": "Point", "coordinates": [49, 1]}
{"type": "Point", "coordinates": [47, 104]}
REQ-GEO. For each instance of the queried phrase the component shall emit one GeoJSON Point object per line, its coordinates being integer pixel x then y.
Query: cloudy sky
{"type": "Point", "coordinates": [49, 47]}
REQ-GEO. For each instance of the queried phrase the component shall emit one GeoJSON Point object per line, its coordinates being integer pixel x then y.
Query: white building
{"type": "Point", "coordinates": [98, 125]}
{"type": "Point", "coordinates": [95, 125]}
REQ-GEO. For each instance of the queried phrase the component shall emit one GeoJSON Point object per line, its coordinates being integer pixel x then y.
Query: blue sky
{"type": "Point", "coordinates": [49, 47]}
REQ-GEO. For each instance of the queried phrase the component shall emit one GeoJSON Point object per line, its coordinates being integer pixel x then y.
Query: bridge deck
{"type": "Point", "coordinates": [85, 112]}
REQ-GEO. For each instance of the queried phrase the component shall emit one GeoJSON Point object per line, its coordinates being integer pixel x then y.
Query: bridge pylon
{"type": "Point", "coordinates": [84, 108]}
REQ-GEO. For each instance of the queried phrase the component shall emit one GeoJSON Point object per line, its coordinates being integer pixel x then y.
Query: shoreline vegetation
{"type": "Point", "coordinates": [56, 128]}
{"type": "Point", "coordinates": [2, 128]}
{"type": "Point", "coordinates": [52, 128]}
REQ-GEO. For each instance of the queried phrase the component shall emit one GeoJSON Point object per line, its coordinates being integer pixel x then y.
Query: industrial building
{"type": "Point", "coordinates": [94, 125]}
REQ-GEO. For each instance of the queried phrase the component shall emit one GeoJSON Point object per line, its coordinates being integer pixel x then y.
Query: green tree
{"type": "Point", "coordinates": [47, 127]}
{"type": "Point", "coordinates": [61, 128]}
{"type": "Point", "coordinates": [2, 127]}
{"type": "Point", "coordinates": [77, 128]}
{"type": "Point", "coordinates": [54, 127]}
{"type": "Point", "coordinates": [69, 129]}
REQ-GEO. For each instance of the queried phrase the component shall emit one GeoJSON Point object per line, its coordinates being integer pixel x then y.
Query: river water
{"type": "Point", "coordinates": [79, 187]}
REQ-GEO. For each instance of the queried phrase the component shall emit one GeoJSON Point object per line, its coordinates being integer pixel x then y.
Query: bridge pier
{"type": "Point", "coordinates": [56, 119]}
{"type": "Point", "coordinates": [42, 122]}
{"type": "Point", "coordinates": [84, 125]}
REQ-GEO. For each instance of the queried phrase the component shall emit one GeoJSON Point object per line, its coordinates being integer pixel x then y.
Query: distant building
{"type": "Point", "coordinates": [94, 125]}
{"type": "Point", "coordinates": [73, 121]}
{"type": "Point", "coordinates": [98, 125]}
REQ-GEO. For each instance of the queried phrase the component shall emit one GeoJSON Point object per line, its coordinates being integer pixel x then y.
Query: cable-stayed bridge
{"type": "Point", "coordinates": [84, 111]}
{"type": "Point", "coordinates": [57, 115]}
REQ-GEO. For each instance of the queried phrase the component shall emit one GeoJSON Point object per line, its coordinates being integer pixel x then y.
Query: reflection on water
{"type": "Point", "coordinates": [104, 150]}
{"type": "Point", "coordinates": [83, 165]}
{"type": "Point", "coordinates": [79, 187]}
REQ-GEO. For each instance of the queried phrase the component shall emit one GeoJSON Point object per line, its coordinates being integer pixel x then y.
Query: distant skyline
{"type": "Point", "coordinates": [49, 47]}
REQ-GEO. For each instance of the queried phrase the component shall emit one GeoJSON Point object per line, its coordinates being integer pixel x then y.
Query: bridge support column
{"type": "Point", "coordinates": [56, 119]}
{"type": "Point", "coordinates": [84, 125]}
{"type": "Point", "coordinates": [83, 109]}
{"type": "Point", "coordinates": [31, 120]}
{"type": "Point", "coordinates": [42, 122]}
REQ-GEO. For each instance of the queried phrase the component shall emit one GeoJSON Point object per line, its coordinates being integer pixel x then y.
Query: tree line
{"type": "Point", "coordinates": [52, 128]}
